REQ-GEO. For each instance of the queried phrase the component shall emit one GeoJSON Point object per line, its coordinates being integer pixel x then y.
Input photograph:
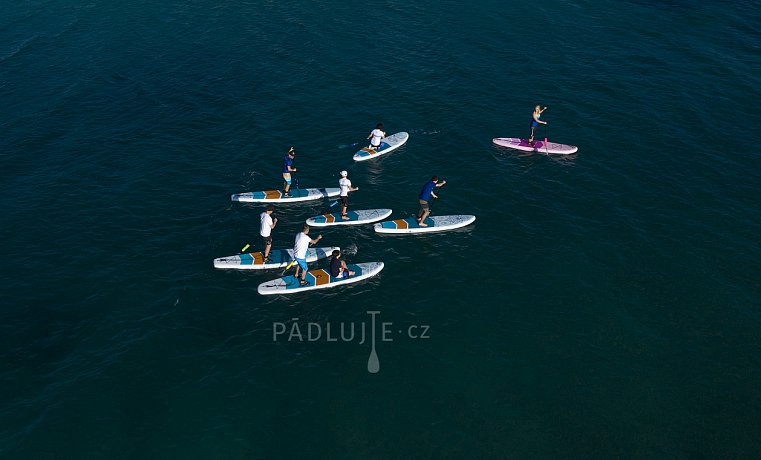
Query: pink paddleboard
{"type": "Point", "coordinates": [538, 146]}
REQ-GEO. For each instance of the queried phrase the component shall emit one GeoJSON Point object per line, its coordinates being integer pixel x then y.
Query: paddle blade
{"type": "Point", "coordinates": [245, 247]}
{"type": "Point", "coordinates": [373, 365]}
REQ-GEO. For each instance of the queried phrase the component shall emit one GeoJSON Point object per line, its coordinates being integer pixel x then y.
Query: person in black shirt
{"type": "Point", "coordinates": [338, 268]}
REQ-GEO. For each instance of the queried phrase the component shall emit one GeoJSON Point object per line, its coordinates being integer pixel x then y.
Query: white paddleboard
{"type": "Point", "coordinates": [276, 196]}
{"type": "Point", "coordinates": [280, 258]}
{"type": "Point", "coordinates": [361, 216]}
{"type": "Point", "coordinates": [319, 279]}
{"type": "Point", "coordinates": [388, 144]}
{"type": "Point", "coordinates": [435, 224]}
{"type": "Point", "coordinates": [538, 146]}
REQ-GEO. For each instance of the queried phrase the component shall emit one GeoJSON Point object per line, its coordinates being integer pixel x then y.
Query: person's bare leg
{"type": "Point", "coordinates": [423, 217]}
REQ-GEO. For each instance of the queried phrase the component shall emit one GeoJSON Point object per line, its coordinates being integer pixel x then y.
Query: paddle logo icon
{"type": "Point", "coordinates": [373, 365]}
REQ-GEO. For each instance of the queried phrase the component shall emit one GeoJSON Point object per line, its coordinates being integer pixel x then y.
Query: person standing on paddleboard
{"type": "Point", "coordinates": [535, 121]}
{"type": "Point", "coordinates": [338, 268]}
{"type": "Point", "coordinates": [376, 135]}
{"type": "Point", "coordinates": [265, 230]}
{"type": "Point", "coordinates": [345, 185]}
{"type": "Point", "coordinates": [425, 195]}
{"type": "Point", "coordinates": [287, 170]}
{"type": "Point", "coordinates": [300, 247]}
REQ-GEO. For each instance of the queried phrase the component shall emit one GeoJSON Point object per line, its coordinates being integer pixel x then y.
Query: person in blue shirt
{"type": "Point", "coordinates": [287, 170]}
{"type": "Point", "coordinates": [535, 121]}
{"type": "Point", "coordinates": [425, 195]}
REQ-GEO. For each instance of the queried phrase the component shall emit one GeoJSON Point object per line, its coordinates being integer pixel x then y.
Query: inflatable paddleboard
{"type": "Point", "coordinates": [388, 144]}
{"type": "Point", "coordinates": [319, 279]}
{"type": "Point", "coordinates": [280, 258]}
{"type": "Point", "coordinates": [539, 146]}
{"type": "Point", "coordinates": [435, 224]}
{"type": "Point", "coordinates": [362, 216]}
{"type": "Point", "coordinates": [276, 196]}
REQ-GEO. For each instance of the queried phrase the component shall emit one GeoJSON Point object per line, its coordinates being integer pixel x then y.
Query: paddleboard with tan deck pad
{"type": "Point", "coordinates": [279, 259]}
{"type": "Point", "coordinates": [434, 224]}
{"type": "Point", "coordinates": [388, 144]}
{"type": "Point", "coordinates": [277, 196]}
{"type": "Point", "coordinates": [319, 279]}
{"type": "Point", "coordinates": [360, 216]}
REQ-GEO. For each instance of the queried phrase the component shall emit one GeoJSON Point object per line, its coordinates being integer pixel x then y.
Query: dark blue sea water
{"type": "Point", "coordinates": [603, 305]}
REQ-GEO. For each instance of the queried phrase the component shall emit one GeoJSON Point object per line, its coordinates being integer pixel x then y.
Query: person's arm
{"type": "Point", "coordinates": [441, 183]}
{"type": "Point", "coordinates": [274, 222]}
{"type": "Point", "coordinates": [314, 241]}
{"type": "Point", "coordinates": [434, 195]}
{"type": "Point", "coordinates": [370, 135]}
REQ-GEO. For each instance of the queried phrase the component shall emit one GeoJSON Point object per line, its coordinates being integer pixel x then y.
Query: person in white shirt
{"type": "Point", "coordinates": [300, 247]}
{"type": "Point", "coordinates": [345, 185]}
{"type": "Point", "coordinates": [376, 135]}
{"type": "Point", "coordinates": [265, 230]}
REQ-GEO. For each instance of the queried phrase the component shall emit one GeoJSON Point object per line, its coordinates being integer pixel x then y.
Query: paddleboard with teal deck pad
{"type": "Point", "coordinates": [434, 224]}
{"type": "Point", "coordinates": [280, 258]}
{"type": "Point", "coordinates": [361, 216]}
{"type": "Point", "coordinates": [277, 196]}
{"type": "Point", "coordinates": [319, 279]}
{"type": "Point", "coordinates": [388, 144]}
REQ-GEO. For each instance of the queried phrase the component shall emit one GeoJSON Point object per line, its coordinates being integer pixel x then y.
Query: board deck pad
{"type": "Point", "coordinates": [435, 224]}
{"type": "Point", "coordinates": [280, 258]}
{"type": "Point", "coordinates": [538, 146]}
{"type": "Point", "coordinates": [387, 145]}
{"type": "Point", "coordinates": [361, 216]}
{"type": "Point", "coordinates": [304, 194]}
{"type": "Point", "coordinates": [319, 279]}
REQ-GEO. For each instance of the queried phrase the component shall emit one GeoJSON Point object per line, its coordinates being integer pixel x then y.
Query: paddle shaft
{"type": "Point", "coordinates": [290, 264]}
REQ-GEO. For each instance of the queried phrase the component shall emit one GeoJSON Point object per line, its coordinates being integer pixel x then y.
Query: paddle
{"type": "Point", "coordinates": [546, 149]}
{"type": "Point", "coordinates": [430, 206]}
{"type": "Point", "coordinates": [287, 267]}
{"type": "Point", "coordinates": [373, 365]}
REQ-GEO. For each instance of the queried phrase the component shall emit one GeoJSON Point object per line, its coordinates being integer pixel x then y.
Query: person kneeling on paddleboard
{"type": "Point", "coordinates": [338, 268]}
{"type": "Point", "coordinates": [425, 195]}
{"type": "Point", "coordinates": [287, 170]}
{"type": "Point", "coordinates": [376, 135]}
{"type": "Point", "coordinates": [345, 185]}
{"type": "Point", "coordinates": [300, 247]}
{"type": "Point", "coordinates": [536, 121]}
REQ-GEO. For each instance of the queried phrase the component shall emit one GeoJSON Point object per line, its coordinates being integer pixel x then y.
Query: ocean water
{"type": "Point", "coordinates": [605, 304]}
